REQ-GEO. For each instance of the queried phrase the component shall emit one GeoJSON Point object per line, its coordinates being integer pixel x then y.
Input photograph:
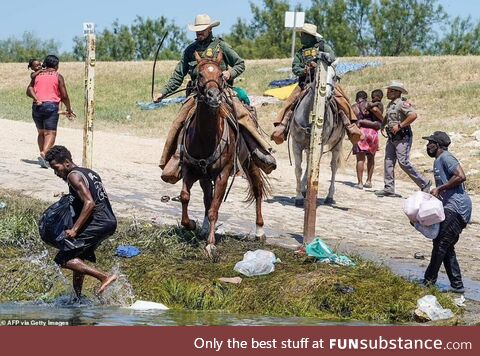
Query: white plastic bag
{"type": "Point", "coordinates": [146, 305]}
{"type": "Point", "coordinates": [432, 308]}
{"type": "Point", "coordinates": [430, 232]}
{"type": "Point", "coordinates": [411, 205]}
{"type": "Point", "coordinates": [256, 263]}
{"type": "Point", "coordinates": [431, 212]}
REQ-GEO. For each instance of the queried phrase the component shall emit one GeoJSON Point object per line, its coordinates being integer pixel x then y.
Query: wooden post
{"type": "Point", "coordinates": [89, 101]}
{"type": "Point", "coordinates": [315, 152]}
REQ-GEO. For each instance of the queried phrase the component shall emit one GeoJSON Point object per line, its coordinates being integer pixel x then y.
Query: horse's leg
{"type": "Point", "coordinates": [257, 189]}
{"type": "Point", "coordinates": [185, 198]}
{"type": "Point", "coordinates": [333, 165]}
{"type": "Point", "coordinates": [218, 194]}
{"type": "Point", "coordinates": [207, 188]}
{"type": "Point", "coordinates": [297, 155]}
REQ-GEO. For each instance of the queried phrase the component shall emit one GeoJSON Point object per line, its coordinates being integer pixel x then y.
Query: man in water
{"type": "Point", "coordinates": [94, 220]}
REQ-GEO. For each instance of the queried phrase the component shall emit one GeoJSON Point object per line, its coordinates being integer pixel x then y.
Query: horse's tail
{"type": "Point", "coordinates": [259, 186]}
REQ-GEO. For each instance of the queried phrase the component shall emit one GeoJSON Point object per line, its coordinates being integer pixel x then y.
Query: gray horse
{"type": "Point", "coordinates": [332, 139]}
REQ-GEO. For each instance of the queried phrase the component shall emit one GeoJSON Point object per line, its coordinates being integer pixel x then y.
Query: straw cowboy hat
{"type": "Point", "coordinates": [395, 85]}
{"type": "Point", "coordinates": [202, 22]}
{"type": "Point", "coordinates": [310, 29]}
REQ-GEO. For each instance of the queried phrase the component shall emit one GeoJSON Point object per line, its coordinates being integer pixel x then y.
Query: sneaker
{"type": "Point", "coordinates": [460, 290]}
{"type": "Point", "coordinates": [42, 162]}
{"type": "Point", "coordinates": [427, 187]}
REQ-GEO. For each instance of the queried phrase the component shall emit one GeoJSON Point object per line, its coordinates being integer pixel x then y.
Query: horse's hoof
{"type": "Point", "coordinates": [192, 225]}
{"type": "Point", "coordinates": [261, 238]}
{"type": "Point", "coordinates": [299, 202]}
{"type": "Point", "coordinates": [329, 201]}
{"type": "Point", "coordinates": [304, 194]}
{"type": "Point", "coordinates": [212, 252]}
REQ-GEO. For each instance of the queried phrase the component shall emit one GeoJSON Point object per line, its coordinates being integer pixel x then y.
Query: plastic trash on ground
{"type": "Point", "coordinates": [145, 305]}
{"type": "Point", "coordinates": [430, 232]}
{"type": "Point", "coordinates": [460, 301]}
{"type": "Point", "coordinates": [432, 308]}
{"type": "Point", "coordinates": [3, 205]}
{"type": "Point", "coordinates": [319, 249]}
{"type": "Point", "coordinates": [256, 263]}
{"type": "Point", "coordinates": [127, 251]}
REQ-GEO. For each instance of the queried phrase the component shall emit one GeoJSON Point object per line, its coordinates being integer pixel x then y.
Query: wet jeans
{"type": "Point", "coordinates": [444, 250]}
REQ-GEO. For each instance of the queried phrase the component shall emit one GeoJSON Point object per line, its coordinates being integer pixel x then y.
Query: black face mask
{"type": "Point", "coordinates": [432, 153]}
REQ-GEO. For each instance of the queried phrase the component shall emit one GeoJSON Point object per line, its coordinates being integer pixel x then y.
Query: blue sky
{"type": "Point", "coordinates": [67, 16]}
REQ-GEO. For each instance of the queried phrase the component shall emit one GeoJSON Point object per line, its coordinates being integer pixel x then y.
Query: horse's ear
{"type": "Point", "coordinates": [197, 57]}
{"type": "Point", "coordinates": [219, 56]}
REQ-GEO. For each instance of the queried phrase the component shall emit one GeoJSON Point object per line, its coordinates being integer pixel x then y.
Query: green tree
{"type": "Point", "coordinates": [148, 32]}
{"type": "Point", "coordinates": [463, 38]}
{"type": "Point", "coordinates": [331, 18]}
{"type": "Point", "coordinates": [28, 46]}
{"type": "Point", "coordinates": [358, 12]}
{"type": "Point", "coordinates": [403, 27]}
{"type": "Point", "coordinates": [266, 35]}
{"type": "Point", "coordinates": [137, 42]}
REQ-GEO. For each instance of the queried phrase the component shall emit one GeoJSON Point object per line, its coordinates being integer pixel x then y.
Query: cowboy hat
{"type": "Point", "coordinates": [202, 22]}
{"type": "Point", "coordinates": [397, 86]}
{"type": "Point", "coordinates": [310, 29]}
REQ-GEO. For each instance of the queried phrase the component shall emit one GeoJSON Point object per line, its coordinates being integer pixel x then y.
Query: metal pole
{"type": "Point", "coordinates": [315, 152]}
{"type": "Point", "coordinates": [294, 33]}
{"type": "Point", "coordinates": [89, 102]}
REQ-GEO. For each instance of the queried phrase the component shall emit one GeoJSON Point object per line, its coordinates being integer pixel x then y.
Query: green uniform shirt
{"type": "Point", "coordinates": [306, 54]}
{"type": "Point", "coordinates": [208, 48]}
{"type": "Point", "coordinates": [397, 111]}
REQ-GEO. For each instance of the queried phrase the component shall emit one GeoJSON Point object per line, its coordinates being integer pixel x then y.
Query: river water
{"type": "Point", "coordinates": [90, 314]}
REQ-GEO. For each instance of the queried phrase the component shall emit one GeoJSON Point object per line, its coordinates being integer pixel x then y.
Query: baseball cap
{"type": "Point", "coordinates": [439, 137]}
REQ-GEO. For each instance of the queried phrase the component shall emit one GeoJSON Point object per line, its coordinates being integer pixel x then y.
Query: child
{"type": "Point", "coordinates": [35, 65]}
{"type": "Point", "coordinates": [370, 121]}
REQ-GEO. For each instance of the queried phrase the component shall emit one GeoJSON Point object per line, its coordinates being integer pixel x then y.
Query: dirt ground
{"type": "Point", "coordinates": [359, 223]}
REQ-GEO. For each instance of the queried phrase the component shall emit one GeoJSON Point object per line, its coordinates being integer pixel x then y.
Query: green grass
{"type": "Point", "coordinates": [173, 269]}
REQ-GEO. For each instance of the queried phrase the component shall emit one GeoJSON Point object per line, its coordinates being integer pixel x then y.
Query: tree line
{"type": "Point", "coordinates": [352, 27]}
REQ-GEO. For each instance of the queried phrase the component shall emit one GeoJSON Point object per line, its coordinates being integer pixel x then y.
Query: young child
{"type": "Point", "coordinates": [37, 67]}
{"type": "Point", "coordinates": [377, 96]}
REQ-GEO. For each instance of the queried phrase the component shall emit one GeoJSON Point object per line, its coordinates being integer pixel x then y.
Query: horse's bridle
{"type": "Point", "coordinates": [201, 95]}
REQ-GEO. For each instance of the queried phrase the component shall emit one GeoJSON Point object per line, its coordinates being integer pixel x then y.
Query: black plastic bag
{"type": "Point", "coordinates": [55, 220]}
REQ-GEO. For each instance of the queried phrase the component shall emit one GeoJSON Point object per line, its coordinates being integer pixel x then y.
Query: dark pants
{"type": "Point", "coordinates": [444, 250]}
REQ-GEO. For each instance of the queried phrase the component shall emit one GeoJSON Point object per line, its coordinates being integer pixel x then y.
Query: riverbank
{"type": "Point", "coordinates": [172, 269]}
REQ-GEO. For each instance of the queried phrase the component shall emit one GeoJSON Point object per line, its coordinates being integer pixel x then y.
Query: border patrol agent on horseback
{"type": "Point", "coordinates": [304, 63]}
{"type": "Point", "coordinates": [303, 66]}
{"type": "Point", "coordinates": [208, 46]}
{"type": "Point", "coordinates": [398, 117]}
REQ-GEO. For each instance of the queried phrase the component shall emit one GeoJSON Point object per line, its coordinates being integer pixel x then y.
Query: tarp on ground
{"type": "Point", "coordinates": [284, 87]}
{"type": "Point", "coordinates": [280, 93]}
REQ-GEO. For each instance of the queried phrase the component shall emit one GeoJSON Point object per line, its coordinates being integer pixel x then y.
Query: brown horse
{"type": "Point", "coordinates": [211, 147]}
